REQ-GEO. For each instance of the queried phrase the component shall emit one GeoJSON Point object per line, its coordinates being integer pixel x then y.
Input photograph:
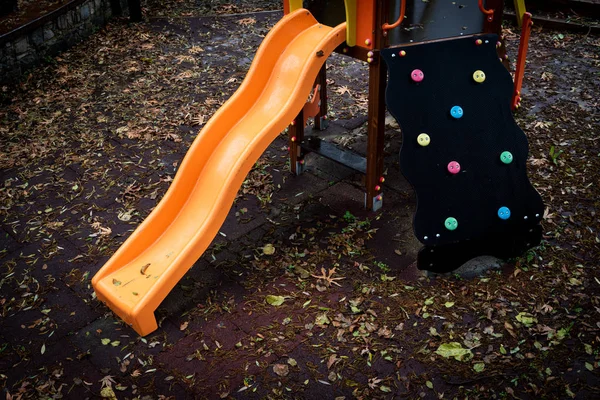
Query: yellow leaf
{"type": "Point", "coordinates": [275, 300]}
{"type": "Point", "coordinates": [108, 393]}
{"type": "Point", "coordinates": [454, 350]}
{"type": "Point", "coordinates": [269, 249]}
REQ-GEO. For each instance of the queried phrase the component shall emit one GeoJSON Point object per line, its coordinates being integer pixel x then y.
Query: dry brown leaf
{"type": "Point", "coordinates": [342, 90]}
{"type": "Point", "coordinates": [198, 120]}
{"type": "Point", "coordinates": [196, 49]}
{"type": "Point", "coordinates": [281, 369]}
{"type": "Point", "coordinates": [144, 268]}
{"type": "Point", "coordinates": [247, 21]}
{"type": "Point", "coordinates": [332, 360]}
{"type": "Point", "coordinates": [328, 278]}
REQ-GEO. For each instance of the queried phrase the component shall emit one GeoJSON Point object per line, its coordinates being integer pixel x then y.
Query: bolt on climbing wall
{"type": "Point", "coordinates": [462, 151]}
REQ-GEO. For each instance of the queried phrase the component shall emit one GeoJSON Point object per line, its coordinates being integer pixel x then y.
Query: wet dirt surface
{"type": "Point", "coordinates": [91, 142]}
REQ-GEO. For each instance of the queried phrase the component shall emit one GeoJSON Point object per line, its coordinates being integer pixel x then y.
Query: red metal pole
{"type": "Point", "coordinates": [521, 57]}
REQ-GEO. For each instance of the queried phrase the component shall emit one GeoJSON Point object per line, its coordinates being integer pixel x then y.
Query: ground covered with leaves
{"type": "Point", "coordinates": [303, 294]}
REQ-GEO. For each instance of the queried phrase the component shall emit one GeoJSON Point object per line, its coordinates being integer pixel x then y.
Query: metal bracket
{"type": "Point", "coordinates": [324, 123]}
{"type": "Point", "coordinates": [377, 202]}
{"type": "Point", "coordinates": [313, 107]}
{"type": "Point", "coordinates": [299, 167]}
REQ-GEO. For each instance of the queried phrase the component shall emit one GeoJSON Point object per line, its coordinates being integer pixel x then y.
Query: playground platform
{"type": "Point", "coordinates": [303, 293]}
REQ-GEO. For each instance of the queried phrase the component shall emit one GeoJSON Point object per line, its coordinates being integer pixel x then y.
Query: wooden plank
{"type": "Point", "coordinates": [333, 152]}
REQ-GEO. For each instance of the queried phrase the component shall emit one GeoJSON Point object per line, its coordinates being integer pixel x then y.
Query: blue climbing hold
{"type": "Point", "coordinates": [456, 112]}
{"type": "Point", "coordinates": [504, 213]}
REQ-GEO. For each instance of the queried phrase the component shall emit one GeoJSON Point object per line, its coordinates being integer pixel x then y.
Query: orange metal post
{"type": "Point", "coordinates": [365, 27]}
{"type": "Point", "coordinates": [521, 57]}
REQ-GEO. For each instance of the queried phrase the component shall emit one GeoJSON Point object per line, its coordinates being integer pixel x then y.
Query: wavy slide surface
{"type": "Point", "coordinates": [137, 278]}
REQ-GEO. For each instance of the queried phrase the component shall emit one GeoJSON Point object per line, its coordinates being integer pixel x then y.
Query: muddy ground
{"type": "Point", "coordinates": [90, 143]}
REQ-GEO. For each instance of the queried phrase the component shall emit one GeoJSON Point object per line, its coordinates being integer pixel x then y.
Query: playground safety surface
{"type": "Point", "coordinates": [90, 143]}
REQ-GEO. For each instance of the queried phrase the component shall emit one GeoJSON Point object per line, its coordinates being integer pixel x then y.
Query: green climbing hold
{"type": "Point", "coordinates": [451, 223]}
{"type": "Point", "coordinates": [506, 157]}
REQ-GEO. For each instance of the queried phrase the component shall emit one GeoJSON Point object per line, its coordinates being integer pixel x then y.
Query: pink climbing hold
{"type": "Point", "coordinates": [453, 167]}
{"type": "Point", "coordinates": [417, 75]}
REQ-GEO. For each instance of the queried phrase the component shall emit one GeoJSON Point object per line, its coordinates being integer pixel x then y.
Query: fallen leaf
{"type": "Point", "coordinates": [332, 360]}
{"type": "Point", "coordinates": [268, 249]}
{"type": "Point", "coordinates": [328, 278]}
{"type": "Point", "coordinates": [454, 350]}
{"type": "Point", "coordinates": [385, 389]}
{"type": "Point", "coordinates": [198, 120]}
{"type": "Point", "coordinates": [144, 268]}
{"type": "Point", "coordinates": [526, 319]}
{"type": "Point", "coordinates": [502, 350]}
{"type": "Point", "coordinates": [184, 325]}
{"type": "Point", "coordinates": [275, 300]}
{"type": "Point", "coordinates": [342, 90]}
{"type": "Point", "coordinates": [125, 215]}
{"type": "Point", "coordinates": [322, 320]}
{"type": "Point", "coordinates": [247, 21]}
{"type": "Point", "coordinates": [510, 329]}
{"type": "Point", "coordinates": [107, 381]}
{"type": "Point", "coordinates": [108, 393]}
{"type": "Point", "coordinates": [302, 272]}
{"type": "Point", "coordinates": [589, 366]}
{"type": "Point", "coordinates": [281, 369]}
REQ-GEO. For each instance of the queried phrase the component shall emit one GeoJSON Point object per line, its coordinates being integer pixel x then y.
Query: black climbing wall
{"type": "Point", "coordinates": [426, 82]}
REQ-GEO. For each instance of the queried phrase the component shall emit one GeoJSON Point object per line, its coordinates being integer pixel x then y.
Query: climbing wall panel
{"type": "Point", "coordinates": [462, 151]}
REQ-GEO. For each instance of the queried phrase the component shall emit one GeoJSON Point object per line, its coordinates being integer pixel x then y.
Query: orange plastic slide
{"type": "Point", "coordinates": [137, 278]}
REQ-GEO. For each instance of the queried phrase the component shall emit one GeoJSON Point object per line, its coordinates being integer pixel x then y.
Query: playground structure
{"type": "Point", "coordinates": [288, 67]}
